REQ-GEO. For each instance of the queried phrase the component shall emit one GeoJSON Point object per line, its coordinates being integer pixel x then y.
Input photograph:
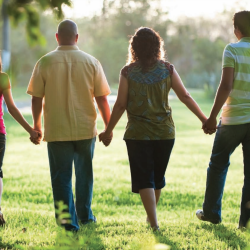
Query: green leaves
{"type": "Point", "coordinates": [29, 11]}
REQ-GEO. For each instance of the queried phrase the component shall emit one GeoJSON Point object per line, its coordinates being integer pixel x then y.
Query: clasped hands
{"type": "Point", "coordinates": [105, 138]}
{"type": "Point", "coordinates": [209, 126]}
{"type": "Point", "coordinates": [35, 136]}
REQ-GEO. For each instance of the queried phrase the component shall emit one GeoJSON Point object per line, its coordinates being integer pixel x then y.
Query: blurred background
{"type": "Point", "coordinates": [195, 33]}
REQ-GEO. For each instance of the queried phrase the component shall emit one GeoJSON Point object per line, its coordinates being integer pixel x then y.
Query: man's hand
{"type": "Point", "coordinates": [36, 136]}
{"type": "Point", "coordinates": [105, 138]}
{"type": "Point", "coordinates": [209, 127]}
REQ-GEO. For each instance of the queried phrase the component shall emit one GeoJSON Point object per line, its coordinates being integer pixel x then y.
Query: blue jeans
{"type": "Point", "coordinates": [62, 154]}
{"type": "Point", "coordinates": [227, 138]}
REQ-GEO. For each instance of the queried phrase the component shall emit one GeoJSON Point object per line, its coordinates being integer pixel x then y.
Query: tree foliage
{"type": "Point", "coordinates": [29, 11]}
{"type": "Point", "coordinates": [193, 45]}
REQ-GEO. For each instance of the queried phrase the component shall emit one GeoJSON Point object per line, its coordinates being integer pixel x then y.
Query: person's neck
{"type": "Point", "coordinates": [66, 44]}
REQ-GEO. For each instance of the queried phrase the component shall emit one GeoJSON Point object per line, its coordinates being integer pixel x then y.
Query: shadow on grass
{"type": "Point", "coordinates": [230, 237]}
{"type": "Point", "coordinates": [90, 237]}
{"type": "Point", "coordinates": [5, 245]}
{"type": "Point", "coordinates": [168, 199]}
{"type": "Point", "coordinates": [162, 239]}
{"type": "Point", "coordinates": [86, 238]}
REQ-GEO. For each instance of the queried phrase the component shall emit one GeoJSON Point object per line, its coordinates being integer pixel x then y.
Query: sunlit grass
{"type": "Point", "coordinates": [28, 203]}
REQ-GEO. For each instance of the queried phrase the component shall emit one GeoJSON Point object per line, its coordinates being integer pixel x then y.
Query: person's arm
{"type": "Point", "coordinates": [15, 113]}
{"type": "Point", "coordinates": [104, 109]}
{"type": "Point", "coordinates": [118, 109]}
{"type": "Point", "coordinates": [222, 94]}
{"type": "Point", "coordinates": [37, 106]}
{"type": "Point", "coordinates": [185, 97]}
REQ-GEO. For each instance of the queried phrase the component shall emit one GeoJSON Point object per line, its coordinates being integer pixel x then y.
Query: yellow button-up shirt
{"type": "Point", "coordinates": [68, 79]}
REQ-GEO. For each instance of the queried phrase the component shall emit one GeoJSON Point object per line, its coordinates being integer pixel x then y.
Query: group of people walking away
{"type": "Point", "coordinates": [65, 83]}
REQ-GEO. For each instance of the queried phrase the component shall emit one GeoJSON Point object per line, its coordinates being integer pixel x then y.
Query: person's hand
{"type": "Point", "coordinates": [203, 121]}
{"type": "Point", "coordinates": [210, 126]}
{"type": "Point", "coordinates": [105, 138]}
{"type": "Point", "coordinates": [35, 136]}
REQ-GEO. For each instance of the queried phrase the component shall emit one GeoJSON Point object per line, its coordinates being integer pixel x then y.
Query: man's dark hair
{"type": "Point", "coordinates": [242, 22]}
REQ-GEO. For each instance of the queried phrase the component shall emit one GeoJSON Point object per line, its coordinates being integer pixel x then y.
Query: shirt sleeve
{"type": "Point", "coordinates": [170, 67]}
{"type": "Point", "coordinates": [36, 85]}
{"type": "Point", "coordinates": [124, 71]}
{"type": "Point", "coordinates": [4, 82]}
{"type": "Point", "coordinates": [228, 58]}
{"type": "Point", "coordinates": [101, 86]}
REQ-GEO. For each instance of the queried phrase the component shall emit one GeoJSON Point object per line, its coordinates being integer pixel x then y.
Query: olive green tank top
{"type": "Point", "coordinates": [148, 110]}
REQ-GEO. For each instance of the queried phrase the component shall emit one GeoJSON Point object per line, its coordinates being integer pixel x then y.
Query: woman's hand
{"type": "Point", "coordinates": [105, 138]}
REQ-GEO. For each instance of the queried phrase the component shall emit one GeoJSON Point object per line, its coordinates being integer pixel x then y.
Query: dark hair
{"type": "Point", "coordinates": [146, 47]}
{"type": "Point", "coordinates": [242, 22]}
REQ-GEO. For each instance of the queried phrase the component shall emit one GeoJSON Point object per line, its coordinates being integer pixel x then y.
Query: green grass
{"type": "Point", "coordinates": [28, 203]}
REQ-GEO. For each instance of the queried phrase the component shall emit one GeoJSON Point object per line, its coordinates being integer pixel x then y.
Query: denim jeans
{"type": "Point", "coordinates": [227, 138]}
{"type": "Point", "coordinates": [2, 151]}
{"type": "Point", "coordinates": [62, 154]}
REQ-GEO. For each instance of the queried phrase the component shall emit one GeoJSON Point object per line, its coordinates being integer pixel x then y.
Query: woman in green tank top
{"type": "Point", "coordinates": [143, 92]}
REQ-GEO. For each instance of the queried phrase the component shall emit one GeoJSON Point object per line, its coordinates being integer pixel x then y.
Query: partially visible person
{"type": "Point", "coordinates": [233, 96]}
{"type": "Point", "coordinates": [6, 94]}
{"type": "Point", "coordinates": [144, 88]}
{"type": "Point", "coordinates": [68, 80]}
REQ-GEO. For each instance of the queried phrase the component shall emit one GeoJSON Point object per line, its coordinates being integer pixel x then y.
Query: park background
{"type": "Point", "coordinates": [195, 34]}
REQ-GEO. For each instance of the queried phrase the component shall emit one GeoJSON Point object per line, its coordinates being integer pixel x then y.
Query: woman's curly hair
{"type": "Point", "coordinates": [146, 47]}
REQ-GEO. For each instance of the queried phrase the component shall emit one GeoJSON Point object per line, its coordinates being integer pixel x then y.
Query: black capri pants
{"type": "Point", "coordinates": [148, 161]}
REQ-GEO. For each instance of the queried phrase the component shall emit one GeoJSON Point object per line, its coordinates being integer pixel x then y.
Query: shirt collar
{"type": "Point", "coordinates": [67, 47]}
{"type": "Point", "coordinates": [245, 39]}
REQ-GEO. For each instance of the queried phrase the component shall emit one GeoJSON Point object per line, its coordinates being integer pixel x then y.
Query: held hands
{"type": "Point", "coordinates": [35, 136]}
{"type": "Point", "coordinates": [105, 138]}
{"type": "Point", "coordinates": [209, 126]}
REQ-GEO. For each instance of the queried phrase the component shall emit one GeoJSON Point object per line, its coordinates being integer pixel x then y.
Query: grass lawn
{"type": "Point", "coordinates": [28, 203]}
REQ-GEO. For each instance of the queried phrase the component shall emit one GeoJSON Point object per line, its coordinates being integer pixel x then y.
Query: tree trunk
{"type": "Point", "coordinates": [6, 37]}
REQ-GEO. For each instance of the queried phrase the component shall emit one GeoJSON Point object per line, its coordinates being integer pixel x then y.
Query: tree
{"type": "Point", "coordinates": [6, 33]}
{"type": "Point", "coordinates": [119, 20]}
{"type": "Point", "coordinates": [19, 10]}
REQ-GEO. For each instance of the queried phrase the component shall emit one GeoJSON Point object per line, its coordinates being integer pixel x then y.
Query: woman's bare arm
{"type": "Point", "coordinates": [185, 97]}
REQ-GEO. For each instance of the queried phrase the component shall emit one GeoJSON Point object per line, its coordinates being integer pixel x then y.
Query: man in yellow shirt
{"type": "Point", "coordinates": [64, 84]}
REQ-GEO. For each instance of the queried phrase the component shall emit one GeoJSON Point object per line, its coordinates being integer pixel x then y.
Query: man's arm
{"type": "Point", "coordinates": [37, 106]}
{"type": "Point", "coordinates": [104, 109]}
{"type": "Point", "coordinates": [118, 109]}
{"type": "Point", "coordinates": [224, 89]}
